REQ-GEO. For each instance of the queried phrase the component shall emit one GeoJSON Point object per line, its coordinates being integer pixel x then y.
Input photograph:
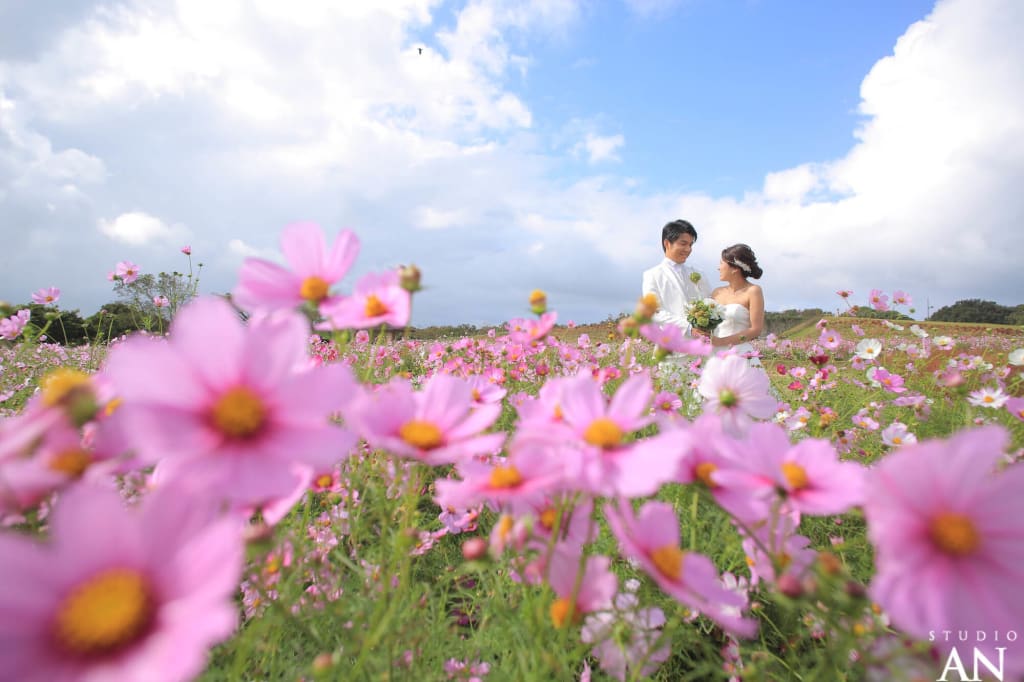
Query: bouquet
{"type": "Point", "coordinates": [705, 314]}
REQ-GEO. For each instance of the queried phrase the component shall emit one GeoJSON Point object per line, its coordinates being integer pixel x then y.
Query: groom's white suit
{"type": "Point", "coordinates": [671, 282]}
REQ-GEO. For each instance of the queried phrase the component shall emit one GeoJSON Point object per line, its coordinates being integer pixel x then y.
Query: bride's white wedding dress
{"type": "Point", "coordinates": [736, 320]}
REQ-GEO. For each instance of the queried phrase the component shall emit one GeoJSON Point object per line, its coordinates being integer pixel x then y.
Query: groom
{"type": "Point", "coordinates": [671, 280]}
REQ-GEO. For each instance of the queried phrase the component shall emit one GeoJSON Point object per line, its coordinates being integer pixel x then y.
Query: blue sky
{"type": "Point", "coordinates": [533, 144]}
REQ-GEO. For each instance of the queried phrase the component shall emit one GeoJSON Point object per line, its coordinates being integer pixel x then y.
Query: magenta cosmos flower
{"type": "Point", "coordinates": [314, 270]}
{"type": "Point", "coordinates": [378, 299]}
{"type": "Point", "coordinates": [232, 407]}
{"type": "Point", "coordinates": [46, 296]}
{"type": "Point", "coordinates": [652, 538]}
{"type": "Point", "coordinates": [949, 541]}
{"type": "Point", "coordinates": [118, 593]}
{"type": "Point", "coordinates": [438, 425]}
{"type": "Point", "coordinates": [736, 392]}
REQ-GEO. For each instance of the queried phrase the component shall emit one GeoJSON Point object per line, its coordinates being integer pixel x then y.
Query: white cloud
{"type": "Point", "coordinates": [602, 147]}
{"type": "Point", "coordinates": [137, 228]}
{"type": "Point", "coordinates": [237, 118]}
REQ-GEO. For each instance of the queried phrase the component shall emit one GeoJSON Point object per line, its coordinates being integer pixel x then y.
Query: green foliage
{"type": "Point", "coordinates": [779, 322]}
{"type": "Point", "coordinates": [65, 327]}
{"type": "Point", "coordinates": [872, 314]}
{"type": "Point", "coordinates": [977, 311]}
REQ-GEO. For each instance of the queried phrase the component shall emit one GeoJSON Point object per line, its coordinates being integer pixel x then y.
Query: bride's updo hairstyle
{"type": "Point", "coordinates": [742, 256]}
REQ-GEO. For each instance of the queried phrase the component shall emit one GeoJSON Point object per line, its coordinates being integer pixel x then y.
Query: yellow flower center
{"type": "Point", "coordinates": [421, 434]}
{"type": "Point", "coordinates": [604, 433]}
{"type": "Point", "coordinates": [703, 473]}
{"type": "Point", "coordinates": [324, 480]}
{"type": "Point", "coordinates": [314, 289]}
{"type": "Point", "coordinates": [988, 399]}
{"type": "Point", "coordinates": [896, 440]}
{"type": "Point", "coordinates": [561, 615]}
{"type": "Point", "coordinates": [505, 525]}
{"type": "Point", "coordinates": [72, 462]}
{"type": "Point", "coordinates": [795, 475]}
{"type": "Point", "coordinates": [505, 477]}
{"type": "Point", "coordinates": [558, 414]}
{"type": "Point", "coordinates": [669, 561]}
{"type": "Point", "coordinates": [374, 307]}
{"type": "Point", "coordinates": [954, 534]}
{"type": "Point", "coordinates": [112, 406]}
{"type": "Point", "coordinates": [104, 614]}
{"type": "Point", "coordinates": [60, 384]}
{"type": "Point", "coordinates": [548, 518]}
{"type": "Point", "coordinates": [239, 413]}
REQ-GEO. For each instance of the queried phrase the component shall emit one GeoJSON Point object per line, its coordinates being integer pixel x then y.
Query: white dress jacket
{"type": "Point", "coordinates": [672, 285]}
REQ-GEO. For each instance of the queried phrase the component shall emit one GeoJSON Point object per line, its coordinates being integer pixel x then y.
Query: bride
{"type": "Point", "coordinates": [743, 302]}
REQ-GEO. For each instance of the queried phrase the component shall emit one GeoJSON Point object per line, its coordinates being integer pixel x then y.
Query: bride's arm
{"type": "Point", "coordinates": [756, 302]}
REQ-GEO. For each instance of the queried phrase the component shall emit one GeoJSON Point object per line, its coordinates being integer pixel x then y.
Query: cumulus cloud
{"type": "Point", "coordinates": [238, 118]}
{"type": "Point", "coordinates": [137, 228]}
{"type": "Point", "coordinates": [600, 148]}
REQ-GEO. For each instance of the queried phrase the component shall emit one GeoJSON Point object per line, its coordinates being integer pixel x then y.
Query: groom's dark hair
{"type": "Point", "coordinates": [672, 230]}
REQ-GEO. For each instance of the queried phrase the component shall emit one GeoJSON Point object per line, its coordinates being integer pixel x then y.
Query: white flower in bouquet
{"type": "Point", "coordinates": [705, 314]}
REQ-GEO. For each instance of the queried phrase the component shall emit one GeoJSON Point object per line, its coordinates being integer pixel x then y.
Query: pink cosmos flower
{"type": "Point", "coordinates": [878, 300]}
{"type": "Point", "coordinates": [599, 428]}
{"type": "Point", "coordinates": [808, 475]}
{"type": "Point", "coordinates": [47, 296]}
{"type": "Point", "coordinates": [314, 270]}
{"type": "Point", "coordinates": [378, 299]}
{"type": "Point", "coordinates": [901, 298]}
{"type": "Point", "coordinates": [639, 655]}
{"type": "Point", "coordinates": [844, 293]}
{"type": "Point", "coordinates": [944, 525]}
{"type": "Point", "coordinates": [187, 250]}
{"type": "Point", "coordinates": [776, 549]}
{"type": "Point", "coordinates": [1015, 406]}
{"type": "Point", "coordinates": [485, 390]}
{"type": "Point", "coordinates": [126, 271]}
{"type": "Point", "coordinates": [528, 331]}
{"type": "Point", "coordinates": [234, 416]}
{"type": "Point", "coordinates": [669, 338]}
{"type": "Point", "coordinates": [161, 302]}
{"type": "Point", "coordinates": [830, 339]}
{"type": "Point", "coordinates": [579, 595]}
{"type": "Point", "coordinates": [517, 482]}
{"type": "Point", "coordinates": [652, 539]}
{"type": "Point", "coordinates": [131, 594]}
{"type": "Point", "coordinates": [437, 425]}
{"type": "Point", "coordinates": [890, 382]}
{"type": "Point", "coordinates": [897, 434]}
{"type": "Point", "coordinates": [736, 392]}
{"type": "Point", "coordinates": [11, 327]}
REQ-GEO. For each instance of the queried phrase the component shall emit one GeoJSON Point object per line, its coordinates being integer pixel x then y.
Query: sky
{"type": "Point", "coordinates": [509, 146]}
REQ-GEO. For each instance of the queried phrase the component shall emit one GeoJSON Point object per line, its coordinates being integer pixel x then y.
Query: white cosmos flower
{"type": "Point", "coordinates": [918, 332]}
{"type": "Point", "coordinates": [1017, 357]}
{"type": "Point", "coordinates": [944, 342]}
{"type": "Point", "coordinates": [868, 349]}
{"type": "Point", "coordinates": [988, 397]}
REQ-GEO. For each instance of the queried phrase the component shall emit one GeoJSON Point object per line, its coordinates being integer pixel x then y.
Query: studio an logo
{"type": "Point", "coordinates": [978, 652]}
{"type": "Point", "coordinates": [955, 666]}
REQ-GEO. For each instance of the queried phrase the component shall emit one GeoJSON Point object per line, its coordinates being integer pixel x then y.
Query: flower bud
{"type": "Point", "coordinates": [474, 548]}
{"type": "Point", "coordinates": [645, 308]}
{"type": "Point", "coordinates": [409, 278]}
{"type": "Point", "coordinates": [628, 326]}
{"type": "Point", "coordinates": [790, 586]}
{"type": "Point", "coordinates": [538, 302]}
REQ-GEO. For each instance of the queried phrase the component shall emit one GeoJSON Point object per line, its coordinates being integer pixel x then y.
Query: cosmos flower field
{"type": "Point", "coordinates": [292, 493]}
